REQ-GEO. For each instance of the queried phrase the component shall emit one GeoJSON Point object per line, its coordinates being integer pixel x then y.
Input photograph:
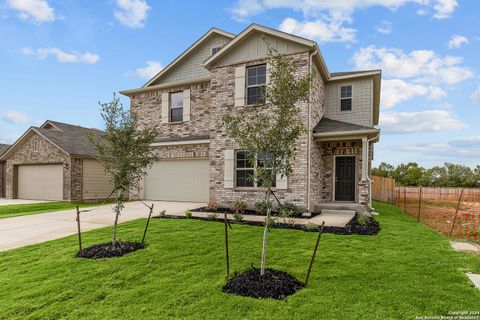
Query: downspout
{"type": "Point", "coordinates": [310, 64]}
{"type": "Point", "coordinates": [368, 173]}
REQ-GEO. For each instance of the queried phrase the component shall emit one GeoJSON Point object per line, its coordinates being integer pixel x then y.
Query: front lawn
{"type": "Point", "coordinates": [15, 210]}
{"type": "Point", "coordinates": [405, 271]}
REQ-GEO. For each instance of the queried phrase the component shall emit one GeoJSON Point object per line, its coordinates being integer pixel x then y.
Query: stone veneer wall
{"type": "Point", "coordinates": [76, 190]}
{"type": "Point", "coordinates": [2, 179]}
{"type": "Point", "coordinates": [222, 89]}
{"type": "Point", "coordinates": [148, 108]}
{"type": "Point", "coordinates": [347, 148]}
{"type": "Point", "coordinates": [317, 110]}
{"type": "Point", "coordinates": [47, 154]}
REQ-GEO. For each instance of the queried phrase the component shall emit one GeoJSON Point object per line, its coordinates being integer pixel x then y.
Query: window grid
{"type": "Point", "coordinates": [244, 168]}
{"type": "Point", "coordinates": [256, 82]}
{"type": "Point", "coordinates": [346, 98]}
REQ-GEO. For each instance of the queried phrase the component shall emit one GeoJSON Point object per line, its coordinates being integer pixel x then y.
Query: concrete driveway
{"type": "Point", "coordinates": [6, 202]}
{"type": "Point", "coordinates": [26, 230]}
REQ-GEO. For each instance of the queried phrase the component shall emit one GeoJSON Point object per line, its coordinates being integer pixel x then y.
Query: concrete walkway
{"type": "Point", "coordinates": [7, 202]}
{"type": "Point", "coordinates": [331, 220]}
{"type": "Point", "coordinates": [26, 230]}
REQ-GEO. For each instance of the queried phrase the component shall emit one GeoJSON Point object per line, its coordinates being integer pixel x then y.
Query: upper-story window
{"type": "Point", "coordinates": [256, 81]}
{"type": "Point", "coordinates": [245, 166]}
{"type": "Point", "coordinates": [176, 106]}
{"type": "Point", "coordinates": [345, 98]}
{"type": "Point", "coordinates": [215, 50]}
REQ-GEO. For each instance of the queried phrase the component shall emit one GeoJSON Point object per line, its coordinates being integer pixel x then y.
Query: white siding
{"type": "Point", "coordinates": [96, 183]}
{"type": "Point", "coordinates": [362, 102]}
{"type": "Point", "coordinates": [192, 66]}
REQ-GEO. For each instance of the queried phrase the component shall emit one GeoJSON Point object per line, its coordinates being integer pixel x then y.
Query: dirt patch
{"type": "Point", "coordinates": [273, 284]}
{"type": "Point", "coordinates": [108, 250]}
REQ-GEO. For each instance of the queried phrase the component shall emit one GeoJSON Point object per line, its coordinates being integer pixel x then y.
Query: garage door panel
{"type": "Point", "coordinates": [178, 180]}
{"type": "Point", "coordinates": [40, 182]}
{"type": "Point", "coordinates": [96, 183]}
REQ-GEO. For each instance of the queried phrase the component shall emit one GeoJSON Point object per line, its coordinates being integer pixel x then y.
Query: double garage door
{"type": "Point", "coordinates": [178, 180]}
{"type": "Point", "coordinates": [40, 182]}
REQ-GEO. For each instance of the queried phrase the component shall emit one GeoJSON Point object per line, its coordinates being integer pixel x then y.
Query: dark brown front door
{"type": "Point", "coordinates": [345, 179]}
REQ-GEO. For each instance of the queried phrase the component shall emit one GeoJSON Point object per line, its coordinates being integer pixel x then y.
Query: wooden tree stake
{"type": "Point", "coordinates": [314, 252]}
{"type": "Point", "coordinates": [148, 221]}
{"type": "Point", "coordinates": [79, 232]}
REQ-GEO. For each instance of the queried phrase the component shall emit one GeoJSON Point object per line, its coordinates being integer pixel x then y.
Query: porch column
{"type": "Point", "coordinates": [364, 158]}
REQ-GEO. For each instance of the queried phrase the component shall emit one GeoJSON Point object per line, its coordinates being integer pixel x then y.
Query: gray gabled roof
{"type": "Point", "coordinates": [326, 125]}
{"type": "Point", "coordinates": [3, 148]}
{"type": "Point", "coordinates": [70, 138]}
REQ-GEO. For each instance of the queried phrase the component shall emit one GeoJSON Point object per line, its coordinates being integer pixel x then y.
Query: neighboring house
{"type": "Point", "coordinates": [3, 148]}
{"type": "Point", "coordinates": [55, 162]}
{"type": "Point", "coordinates": [222, 73]}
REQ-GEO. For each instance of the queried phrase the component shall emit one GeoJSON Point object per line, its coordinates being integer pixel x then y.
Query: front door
{"type": "Point", "coordinates": [345, 179]}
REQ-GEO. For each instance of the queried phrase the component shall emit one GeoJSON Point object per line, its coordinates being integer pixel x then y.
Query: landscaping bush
{"type": "Point", "coordinates": [188, 214]}
{"type": "Point", "coordinates": [239, 206]}
{"type": "Point", "coordinates": [262, 207]}
{"type": "Point", "coordinates": [289, 209]}
{"type": "Point", "coordinates": [211, 216]}
{"type": "Point", "coordinates": [212, 205]}
{"type": "Point", "coordinates": [238, 216]}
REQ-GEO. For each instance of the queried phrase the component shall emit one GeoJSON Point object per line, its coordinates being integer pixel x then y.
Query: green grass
{"type": "Point", "coordinates": [15, 210]}
{"type": "Point", "coordinates": [406, 271]}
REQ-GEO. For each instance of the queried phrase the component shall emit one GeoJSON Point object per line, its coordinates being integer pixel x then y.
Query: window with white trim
{"type": "Point", "coordinates": [176, 106]}
{"type": "Point", "coordinates": [245, 168]}
{"type": "Point", "coordinates": [346, 98]}
{"type": "Point", "coordinates": [256, 82]}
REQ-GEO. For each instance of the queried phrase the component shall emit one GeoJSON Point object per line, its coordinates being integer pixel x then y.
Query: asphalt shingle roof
{"type": "Point", "coordinates": [328, 125]}
{"type": "Point", "coordinates": [3, 148]}
{"type": "Point", "coordinates": [70, 138]}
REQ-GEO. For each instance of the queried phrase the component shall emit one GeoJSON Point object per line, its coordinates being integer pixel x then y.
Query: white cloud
{"type": "Point", "coordinates": [457, 41]}
{"type": "Point", "coordinates": [38, 11]}
{"type": "Point", "coordinates": [62, 56]}
{"type": "Point", "coordinates": [16, 117]}
{"type": "Point", "coordinates": [444, 8]}
{"type": "Point", "coordinates": [152, 68]}
{"type": "Point", "coordinates": [395, 91]}
{"type": "Point", "coordinates": [475, 97]}
{"type": "Point", "coordinates": [132, 13]}
{"type": "Point", "coordinates": [422, 66]}
{"type": "Point", "coordinates": [385, 27]}
{"type": "Point", "coordinates": [460, 148]}
{"type": "Point", "coordinates": [421, 121]}
{"type": "Point", "coordinates": [323, 30]}
{"type": "Point", "coordinates": [247, 8]}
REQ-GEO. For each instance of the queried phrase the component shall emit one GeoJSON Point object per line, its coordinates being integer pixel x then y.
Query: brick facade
{"type": "Point", "coordinates": [2, 179]}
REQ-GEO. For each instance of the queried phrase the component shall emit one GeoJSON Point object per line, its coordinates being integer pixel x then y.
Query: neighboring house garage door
{"type": "Point", "coordinates": [40, 182]}
{"type": "Point", "coordinates": [96, 184]}
{"type": "Point", "coordinates": [178, 180]}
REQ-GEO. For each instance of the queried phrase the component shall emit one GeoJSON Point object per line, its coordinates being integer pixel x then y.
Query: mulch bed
{"type": "Point", "coordinates": [107, 250]}
{"type": "Point", "coordinates": [247, 212]}
{"type": "Point", "coordinates": [371, 227]}
{"type": "Point", "coordinates": [273, 284]}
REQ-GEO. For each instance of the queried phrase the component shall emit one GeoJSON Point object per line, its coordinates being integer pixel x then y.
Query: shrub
{"type": "Point", "coordinates": [288, 209]}
{"type": "Point", "coordinates": [212, 205]}
{"type": "Point", "coordinates": [239, 206]}
{"type": "Point", "coordinates": [212, 216]}
{"type": "Point", "coordinates": [237, 216]}
{"type": "Point", "coordinates": [262, 207]}
{"type": "Point", "coordinates": [188, 214]}
{"type": "Point", "coordinates": [311, 226]}
{"type": "Point", "coordinates": [363, 218]}
{"type": "Point", "coordinates": [163, 213]}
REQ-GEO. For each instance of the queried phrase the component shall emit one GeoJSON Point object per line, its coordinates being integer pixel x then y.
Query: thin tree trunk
{"type": "Point", "coordinates": [265, 233]}
{"type": "Point", "coordinates": [117, 214]}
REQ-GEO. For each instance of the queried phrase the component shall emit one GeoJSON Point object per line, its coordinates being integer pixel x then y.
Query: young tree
{"type": "Point", "coordinates": [268, 132]}
{"type": "Point", "coordinates": [124, 151]}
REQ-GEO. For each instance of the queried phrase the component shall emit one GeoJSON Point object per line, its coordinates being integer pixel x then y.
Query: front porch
{"type": "Point", "coordinates": [346, 152]}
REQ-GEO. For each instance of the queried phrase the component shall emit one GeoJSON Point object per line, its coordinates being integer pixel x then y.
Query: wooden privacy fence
{"type": "Point", "coordinates": [455, 212]}
{"type": "Point", "coordinates": [383, 189]}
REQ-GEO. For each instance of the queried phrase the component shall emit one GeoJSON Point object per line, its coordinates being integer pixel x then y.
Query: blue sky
{"type": "Point", "coordinates": [59, 58]}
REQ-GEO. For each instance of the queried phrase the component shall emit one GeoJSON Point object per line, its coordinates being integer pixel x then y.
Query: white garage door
{"type": "Point", "coordinates": [96, 183]}
{"type": "Point", "coordinates": [40, 182]}
{"type": "Point", "coordinates": [178, 180]}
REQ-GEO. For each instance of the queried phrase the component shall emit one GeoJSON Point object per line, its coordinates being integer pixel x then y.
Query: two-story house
{"type": "Point", "coordinates": [222, 73]}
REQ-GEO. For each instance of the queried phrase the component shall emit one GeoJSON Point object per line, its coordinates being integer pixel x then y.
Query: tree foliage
{"type": "Point", "coordinates": [270, 130]}
{"type": "Point", "coordinates": [124, 150]}
{"type": "Point", "coordinates": [448, 175]}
